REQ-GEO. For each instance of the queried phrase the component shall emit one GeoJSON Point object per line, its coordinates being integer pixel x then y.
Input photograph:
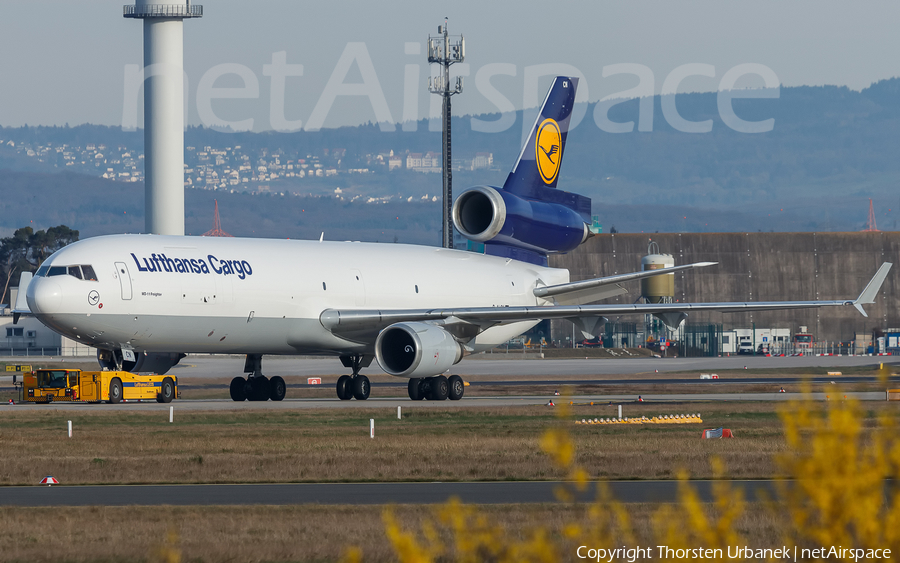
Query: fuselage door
{"type": "Point", "coordinates": [124, 280]}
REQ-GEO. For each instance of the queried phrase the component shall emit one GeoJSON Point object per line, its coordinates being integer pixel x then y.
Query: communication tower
{"type": "Point", "coordinates": [446, 50]}
{"type": "Point", "coordinates": [217, 226]}
{"type": "Point", "coordinates": [163, 111]}
{"type": "Point", "coordinates": [871, 227]}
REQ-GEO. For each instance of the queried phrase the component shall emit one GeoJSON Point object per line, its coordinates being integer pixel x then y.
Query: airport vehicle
{"type": "Point", "coordinates": [49, 385]}
{"type": "Point", "coordinates": [803, 341]}
{"type": "Point", "coordinates": [417, 310]}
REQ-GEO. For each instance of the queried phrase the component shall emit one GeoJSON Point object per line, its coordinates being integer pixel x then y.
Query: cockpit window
{"type": "Point", "coordinates": [82, 272]}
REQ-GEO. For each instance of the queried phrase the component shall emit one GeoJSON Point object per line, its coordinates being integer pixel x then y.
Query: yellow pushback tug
{"type": "Point", "coordinates": [48, 385]}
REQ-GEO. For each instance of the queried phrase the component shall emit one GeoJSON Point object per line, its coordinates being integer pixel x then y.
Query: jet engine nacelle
{"type": "Point", "coordinates": [416, 350]}
{"type": "Point", "coordinates": [487, 214]}
{"type": "Point", "coordinates": [144, 362]}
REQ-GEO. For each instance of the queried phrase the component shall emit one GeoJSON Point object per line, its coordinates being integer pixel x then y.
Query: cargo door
{"type": "Point", "coordinates": [124, 280]}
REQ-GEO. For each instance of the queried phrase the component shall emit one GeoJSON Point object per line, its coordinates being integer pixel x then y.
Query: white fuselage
{"type": "Point", "coordinates": [262, 296]}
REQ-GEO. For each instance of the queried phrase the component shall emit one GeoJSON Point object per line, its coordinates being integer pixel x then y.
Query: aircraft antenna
{"type": "Point", "coordinates": [217, 226]}
{"type": "Point", "coordinates": [446, 50]}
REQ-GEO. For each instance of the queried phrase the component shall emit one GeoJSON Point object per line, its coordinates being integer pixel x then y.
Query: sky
{"type": "Point", "coordinates": [68, 61]}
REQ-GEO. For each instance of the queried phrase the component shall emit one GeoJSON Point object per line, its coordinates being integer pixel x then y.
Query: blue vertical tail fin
{"type": "Point", "coordinates": [536, 171]}
{"type": "Point", "coordinates": [529, 218]}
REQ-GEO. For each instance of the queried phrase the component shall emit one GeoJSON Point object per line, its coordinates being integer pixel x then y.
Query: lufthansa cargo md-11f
{"type": "Point", "coordinates": [145, 300]}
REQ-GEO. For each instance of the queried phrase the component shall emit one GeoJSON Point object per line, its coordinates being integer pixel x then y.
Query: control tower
{"type": "Point", "coordinates": [163, 111]}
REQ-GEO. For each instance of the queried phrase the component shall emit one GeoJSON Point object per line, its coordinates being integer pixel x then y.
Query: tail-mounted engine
{"type": "Point", "coordinates": [491, 215]}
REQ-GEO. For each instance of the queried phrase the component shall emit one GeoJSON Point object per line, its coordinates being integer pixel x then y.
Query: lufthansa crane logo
{"type": "Point", "coordinates": [547, 147]}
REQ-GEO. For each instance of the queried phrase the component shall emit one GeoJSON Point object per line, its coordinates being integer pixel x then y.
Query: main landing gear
{"type": "Point", "coordinates": [436, 388]}
{"type": "Point", "coordinates": [257, 387]}
{"type": "Point", "coordinates": [354, 386]}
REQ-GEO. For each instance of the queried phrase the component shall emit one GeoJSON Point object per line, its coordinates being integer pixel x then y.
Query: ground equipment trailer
{"type": "Point", "coordinates": [47, 385]}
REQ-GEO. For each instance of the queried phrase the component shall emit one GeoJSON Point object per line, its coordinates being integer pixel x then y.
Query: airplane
{"type": "Point", "coordinates": [144, 301]}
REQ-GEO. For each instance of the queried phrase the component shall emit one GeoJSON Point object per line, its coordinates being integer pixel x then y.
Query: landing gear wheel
{"type": "Point", "coordinates": [457, 387]}
{"type": "Point", "coordinates": [424, 388]}
{"type": "Point", "coordinates": [361, 387]}
{"type": "Point", "coordinates": [237, 389]}
{"type": "Point", "coordinates": [277, 388]}
{"type": "Point", "coordinates": [345, 388]}
{"type": "Point", "coordinates": [166, 391]}
{"type": "Point", "coordinates": [413, 388]}
{"type": "Point", "coordinates": [440, 388]}
{"type": "Point", "coordinates": [115, 390]}
{"type": "Point", "coordinates": [259, 387]}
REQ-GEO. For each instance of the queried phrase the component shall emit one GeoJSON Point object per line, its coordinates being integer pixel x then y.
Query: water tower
{"type": "Point", "coordinates": [658, 289]}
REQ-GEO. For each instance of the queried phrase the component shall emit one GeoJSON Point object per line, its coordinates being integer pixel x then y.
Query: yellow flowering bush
{"type": "Point", "coordinates": [834, 493]}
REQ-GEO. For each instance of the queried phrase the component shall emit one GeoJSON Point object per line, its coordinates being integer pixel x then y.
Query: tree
{"type": "Point", "coordinates": [26, 249]}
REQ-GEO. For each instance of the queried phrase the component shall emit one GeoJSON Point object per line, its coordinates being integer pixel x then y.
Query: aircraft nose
{"type": "Point", "coordinates": [44, 296]}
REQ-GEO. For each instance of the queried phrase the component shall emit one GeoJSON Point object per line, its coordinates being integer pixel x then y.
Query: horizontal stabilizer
{"type": "Point", "coordinates": [589, 291]}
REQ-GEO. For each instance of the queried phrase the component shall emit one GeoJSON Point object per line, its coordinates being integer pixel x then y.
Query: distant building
{"type": "Point", "coordinates": [429, 162]}
{"type": "Point", "coordinates": [414, 160]}
{"type": "Point", "coordinates": [483, 160]}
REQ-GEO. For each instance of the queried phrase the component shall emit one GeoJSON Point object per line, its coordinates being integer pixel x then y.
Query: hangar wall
{"type": "Point", "coordinates": [760, 267]}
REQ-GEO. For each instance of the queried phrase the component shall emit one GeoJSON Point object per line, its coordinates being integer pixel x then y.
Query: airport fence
{"type": "Point", "coordinates": [50, 351]}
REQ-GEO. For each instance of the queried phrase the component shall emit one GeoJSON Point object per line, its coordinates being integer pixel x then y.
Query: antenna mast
{"type": "Point", "coordinates": [446, 50]}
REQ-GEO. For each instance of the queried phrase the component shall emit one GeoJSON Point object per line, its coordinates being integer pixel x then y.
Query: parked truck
{"type": "Point", "coordinates": [48, 385]}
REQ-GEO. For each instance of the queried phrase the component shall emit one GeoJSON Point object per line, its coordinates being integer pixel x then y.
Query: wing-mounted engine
{"type": "Point", "coordinates": [416, 349]}
{"type": "Point", "coordinates": [493, 215]}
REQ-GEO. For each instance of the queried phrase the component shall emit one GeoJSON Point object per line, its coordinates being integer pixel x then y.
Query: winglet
{"type": "Point", "coordinates": [871, 290]}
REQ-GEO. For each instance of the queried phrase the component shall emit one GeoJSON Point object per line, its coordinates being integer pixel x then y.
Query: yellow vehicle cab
{"type": "Point", "coordinates": [48, 385]}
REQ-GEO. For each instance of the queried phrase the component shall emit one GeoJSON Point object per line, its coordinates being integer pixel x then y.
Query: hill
{"type": "Point", "coordinates": [829, 151]}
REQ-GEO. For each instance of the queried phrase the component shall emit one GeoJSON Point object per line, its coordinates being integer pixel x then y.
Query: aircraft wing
{"type": "Point", "coordinates": [466, 323]}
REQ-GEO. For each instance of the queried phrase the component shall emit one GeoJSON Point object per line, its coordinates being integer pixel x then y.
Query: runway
{"type": "Point", "coordinates": [503, 372]}
{"type": "Point", "coordinates": [517, 364]}
{"type": "Point", "coordinates": [505, 367]}
{"type": "Point", "coordinates": [503, 492]}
